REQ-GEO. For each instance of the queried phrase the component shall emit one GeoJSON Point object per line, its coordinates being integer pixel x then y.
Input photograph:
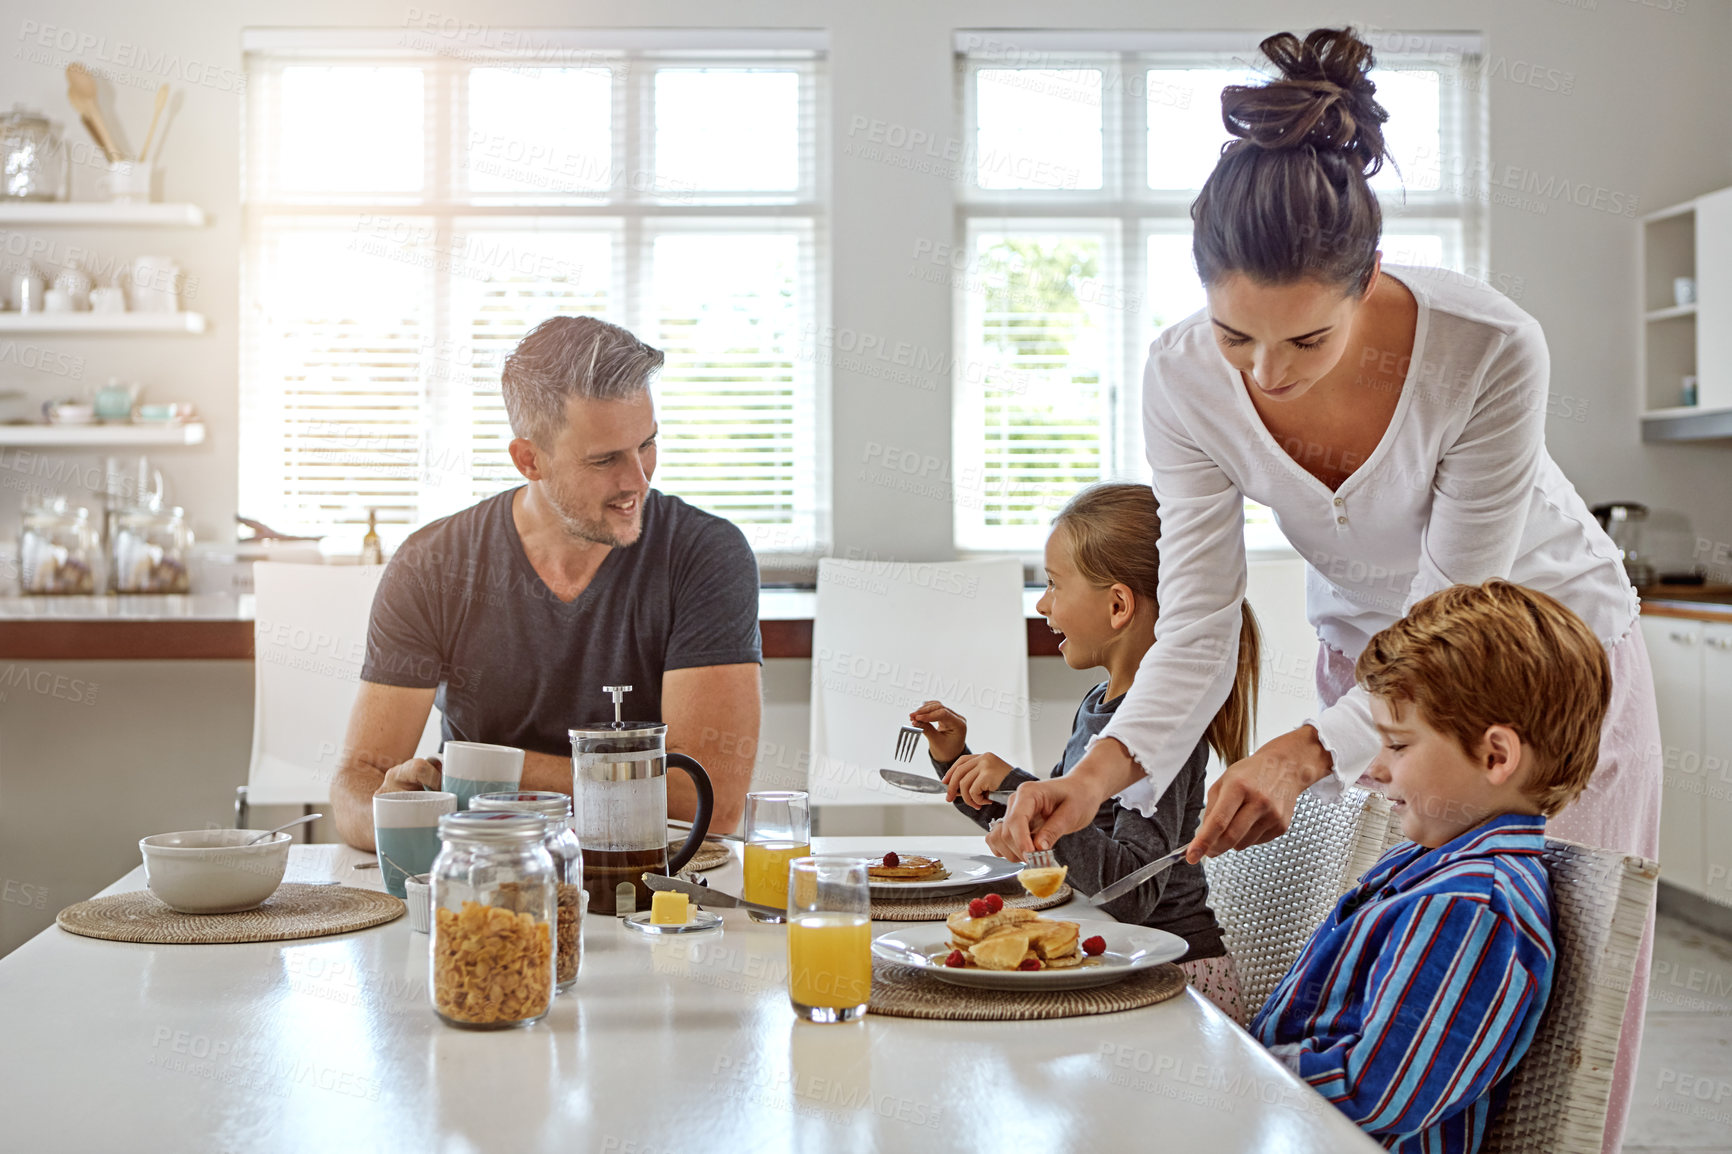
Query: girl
{"type": "Point", "coordinates": [1101, 562]}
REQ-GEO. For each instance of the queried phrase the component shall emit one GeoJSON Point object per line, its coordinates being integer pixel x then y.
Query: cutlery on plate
{"type": "Point", "coordinates": [1136, 878]}
{"type": "Point", "coordinates": [704, 895]}
{"type": "Point", "coordinates": [919, 784]}
{"type": "Point", "coordinates": [907, 741]}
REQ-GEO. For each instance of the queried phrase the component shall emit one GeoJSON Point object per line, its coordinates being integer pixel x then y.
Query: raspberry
{"type": "Point", "coordinates": [1029, 964]}
{"type": "Point", "coordinates": [955, 960]}
{"type": "Point", "coordinates": [978, 908]}
{"type": "Point", "coordinates": [1094, 947]}
{"type": "Point", "coordinates": [891, 861]}
{"type": "Point", "coordinates": [994, 903]}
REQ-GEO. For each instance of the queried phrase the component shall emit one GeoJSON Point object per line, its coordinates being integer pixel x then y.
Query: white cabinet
{"type": "Point", "coordinates": [1679, 338]}
{"type": "Point", "coordinates": [1693, 685]}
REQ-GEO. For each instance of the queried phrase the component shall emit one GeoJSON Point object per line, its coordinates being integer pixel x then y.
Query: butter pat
{"type": "Point", "coordinates": [669, 909]}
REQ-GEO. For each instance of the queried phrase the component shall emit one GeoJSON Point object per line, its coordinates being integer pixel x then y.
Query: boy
{"type": "Point", "coordinates": [1414, 1001]}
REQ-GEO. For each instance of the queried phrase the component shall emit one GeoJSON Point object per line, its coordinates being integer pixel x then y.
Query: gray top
{"type": "Point", "coordinates": [461, 608]}
{"type": "Point", "coordinates": [1120, 840]}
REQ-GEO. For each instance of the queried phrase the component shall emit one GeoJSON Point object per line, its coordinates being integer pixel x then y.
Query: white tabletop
{"type": "Point", "coordinates": [663, 1046]}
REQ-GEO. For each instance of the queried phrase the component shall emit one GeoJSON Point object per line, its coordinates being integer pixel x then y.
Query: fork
{"type": "Point", "coordinates": [907, 741]}
{"type": "Point", "coordinates": [1041, 859]}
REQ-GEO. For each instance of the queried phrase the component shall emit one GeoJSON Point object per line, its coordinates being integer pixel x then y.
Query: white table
{"type": "Point", "coordinates": [665, 1045]}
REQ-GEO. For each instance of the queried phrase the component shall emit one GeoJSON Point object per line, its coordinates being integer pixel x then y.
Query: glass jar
{"type": "Point", "coordinates": [152, 552]}
{"type": "Point", "coordinates": [33, 161]}
{"type": "Point", "coordinates": [58, 550]}
{"type": "Point", "coordinates": [567, 858]}
{"type": "Point", "coordinates": [494, 913]}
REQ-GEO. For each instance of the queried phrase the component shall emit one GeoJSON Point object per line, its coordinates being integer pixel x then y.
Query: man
{"type": "Point", "coordinates": [513, 613]}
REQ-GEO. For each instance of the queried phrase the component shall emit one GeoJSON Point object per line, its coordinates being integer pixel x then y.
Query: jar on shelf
{"type": "Point", "coordinates": [491, 958]}
{"type": "Point", "coordinates": [567, 858]}
{"type": "Point", "coordinates": [152, 552]}
{"type": "Point", "coordinates": [33, 160]}
{"type": "Point", "coordinates": [58, 549]}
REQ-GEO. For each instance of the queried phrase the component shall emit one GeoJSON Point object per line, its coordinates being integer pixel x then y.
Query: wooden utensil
{"type": "Point", "coordinates": [91, 128]}
{"type": "Point", "coordinates": [81, 90]}
{"type": "Point", "coordinates": [161, 100]}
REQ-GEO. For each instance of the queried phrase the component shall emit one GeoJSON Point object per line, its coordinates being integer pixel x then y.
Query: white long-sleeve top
{"type": "Point", "coordinates": [1460, 489]}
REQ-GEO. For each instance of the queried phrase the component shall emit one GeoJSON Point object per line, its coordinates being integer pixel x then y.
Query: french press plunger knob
{"type": "Point", "coordinates": [617, 692]}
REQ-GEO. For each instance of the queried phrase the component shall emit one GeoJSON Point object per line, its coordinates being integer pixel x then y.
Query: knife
{"type": "Point", "coordinates": [919, 784]}
{"type": "Point", "coordinates": [1136, 878]}
{"type": "Point", "coordinates": [704, 895]}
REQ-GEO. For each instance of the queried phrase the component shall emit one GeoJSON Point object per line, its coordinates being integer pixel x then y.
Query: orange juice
{"type": "Point", "coordinates": [767, 870]}
{"type": "Point", "coordinates": [830, 960]}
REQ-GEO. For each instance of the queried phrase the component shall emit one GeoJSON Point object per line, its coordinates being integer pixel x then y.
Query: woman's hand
{"type": "Point", "coordinates": [973, 777]}
{"type": "Point", "coordinates": [946, 731]}
{"type": "Point", "coordinates": [1253, 801]}
{"type": "Point", "coordinates": [1041, 812]}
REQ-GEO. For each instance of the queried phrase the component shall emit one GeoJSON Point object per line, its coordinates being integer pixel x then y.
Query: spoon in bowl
{"type": "Point", "coordinates": [281, 828]}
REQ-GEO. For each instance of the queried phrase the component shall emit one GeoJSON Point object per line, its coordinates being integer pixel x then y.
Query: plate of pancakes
{"type": "Point", "coordinates": [926, 874]}
{"type": "Point", "coordinates": [1017, 949]}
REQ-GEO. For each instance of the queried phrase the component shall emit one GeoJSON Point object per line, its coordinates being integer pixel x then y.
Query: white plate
{"type": "Point", "coordinates": [967, 872]}
{"type": "Point", "coordinates": [1130, 949]}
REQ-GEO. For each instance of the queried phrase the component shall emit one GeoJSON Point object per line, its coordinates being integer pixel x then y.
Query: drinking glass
{"type": "Point", "coordinates": [778, 830]}
{"type": "Point", "coordinates": [829, 938]}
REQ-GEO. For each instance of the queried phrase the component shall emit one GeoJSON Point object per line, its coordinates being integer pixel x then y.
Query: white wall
{"type": "Point", "coordinates": [1644, 117]}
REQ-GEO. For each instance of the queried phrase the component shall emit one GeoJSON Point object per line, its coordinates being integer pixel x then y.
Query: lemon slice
{"type": "Point", "coordinates": [1044, 882]}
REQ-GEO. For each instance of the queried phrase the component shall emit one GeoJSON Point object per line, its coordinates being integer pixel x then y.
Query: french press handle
{"type": "Point", "coordinates": [700, 819]}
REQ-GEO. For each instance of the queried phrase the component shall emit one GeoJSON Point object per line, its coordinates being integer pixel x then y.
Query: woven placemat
{"type": "Point", "coordinates": [294, 911]}
{"type": "Point", "coordinates": [904, 992]}
{"type": "Point", "coordinates": [937, 909]}
{"type": "Point", "coordinates": [710, 855]}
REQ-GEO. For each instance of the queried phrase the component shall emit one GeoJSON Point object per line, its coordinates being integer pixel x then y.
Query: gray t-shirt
{"type": "Point", "coordinates": [461, 608]}
{"type": "Point", "coordinates": [1120, 840]}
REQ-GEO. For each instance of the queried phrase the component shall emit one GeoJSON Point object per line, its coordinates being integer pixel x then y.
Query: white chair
{"type": "Point", "coordinates": [1270, 898]}
{"type": "Point", "coordinates": [1560, 1088]}
{"type": "Point", "coordinates": [309, 641]}
{"type": "Point", "coordinates": [887, 636]}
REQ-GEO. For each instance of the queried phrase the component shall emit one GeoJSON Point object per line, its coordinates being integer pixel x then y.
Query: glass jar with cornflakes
{"type": "Point", "coordinates": [567, 857]}
{"type": "Point", "coordinates": [495, 918]}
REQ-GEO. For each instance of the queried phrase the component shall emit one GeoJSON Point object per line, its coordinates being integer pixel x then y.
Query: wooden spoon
{"type": "Point", "coordinates": [81, 90]}
{"type": "Point", "coordinates": [91, 128]}
{"type": "Point", "coordinates": [161, 100]}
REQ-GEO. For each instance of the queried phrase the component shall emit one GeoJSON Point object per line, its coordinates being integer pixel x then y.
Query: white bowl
{"type": "Point", "coordinates": [211, 871]}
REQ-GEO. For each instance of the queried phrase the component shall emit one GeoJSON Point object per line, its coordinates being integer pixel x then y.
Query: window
{"type": "Point", "coordinates": [395, 257]}
{"type": "Point", "coordinates": [1075, 225]}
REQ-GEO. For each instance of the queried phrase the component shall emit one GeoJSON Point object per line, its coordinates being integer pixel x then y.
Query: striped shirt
{"type": "Point", "coordinates": [1411, 1005]}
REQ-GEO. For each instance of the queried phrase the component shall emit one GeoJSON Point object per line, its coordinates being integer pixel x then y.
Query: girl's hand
{"type": "Point", "coordinates": [946, 730]}
{"type": "Point", "coordinates": [975, 776]}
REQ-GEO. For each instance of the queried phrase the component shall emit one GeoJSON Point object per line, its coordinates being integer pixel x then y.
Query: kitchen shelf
{"type": "Point", "coordinates": [98, 212]}
{"type": "Point", "coordinates": [1672, 313]}
{"type": "Point", "coordinates": [89, 322]}
{"type": "Point", "coordinates": [1687, 423]}
{"type": "Point", "coordinates": [101, 436]}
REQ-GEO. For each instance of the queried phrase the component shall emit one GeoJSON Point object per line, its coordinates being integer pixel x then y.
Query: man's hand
{"type": "Point", "coordinates": [1253, 801]}
{"type": "Point", "coordinates": [973, 777]}
{"type": "Point", "coordinates": [946, 732]}
{"type": "Point", "coordinates": [416, 773]}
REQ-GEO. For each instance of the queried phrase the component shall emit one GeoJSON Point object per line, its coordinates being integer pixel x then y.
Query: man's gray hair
{"type": "Point", "coordinates": [566, 357]}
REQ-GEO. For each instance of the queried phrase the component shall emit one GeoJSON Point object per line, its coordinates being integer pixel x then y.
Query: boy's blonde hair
{"type": "Point", "coordinates": [1473, 656]}
{"type": "Point", "coordinates": [1115, 533]}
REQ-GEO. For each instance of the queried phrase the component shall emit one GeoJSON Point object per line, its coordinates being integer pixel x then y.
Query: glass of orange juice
{"type": "Point", "coordinates": [829, 938]}
{"type": "Point", "coordinates": [778, 830]}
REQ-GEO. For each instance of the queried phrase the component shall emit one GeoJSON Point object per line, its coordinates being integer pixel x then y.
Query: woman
{"type": "Point", "coordinates": [1393, 420]}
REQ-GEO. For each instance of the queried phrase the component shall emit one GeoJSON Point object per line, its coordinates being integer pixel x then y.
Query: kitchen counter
{"type": "Point", "coordinates": [220, 626]}
{"type": "Point", "coordinates": [1694, 602]}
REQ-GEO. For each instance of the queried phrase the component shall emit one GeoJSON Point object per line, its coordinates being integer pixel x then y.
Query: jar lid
{"type": "Point", "coordinates": [547, 802]}
{"type": "Point", "coordinates": [501, 828]}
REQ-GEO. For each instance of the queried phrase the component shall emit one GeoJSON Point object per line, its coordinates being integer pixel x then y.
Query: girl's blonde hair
{"type": "Point", "coordinates": [1115, 531]}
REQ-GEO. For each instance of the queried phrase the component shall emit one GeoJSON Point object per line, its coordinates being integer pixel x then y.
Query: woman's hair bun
{"type": "Point", "coordinates": [1323, 98]}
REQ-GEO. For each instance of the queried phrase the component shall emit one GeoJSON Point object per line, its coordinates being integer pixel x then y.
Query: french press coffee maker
{"type": "Point", "coordinates": [619, 794]}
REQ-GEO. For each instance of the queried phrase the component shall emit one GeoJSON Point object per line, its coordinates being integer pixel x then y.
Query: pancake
{"type": "Point", "coordinates": [911, 868]}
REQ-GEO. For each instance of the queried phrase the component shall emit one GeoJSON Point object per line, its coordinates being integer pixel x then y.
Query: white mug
{"type": "Point", "coordinates": [155, 285]}
{"type": "Point", "coordinates": [57, 301]}
{"type": "Point", "coordinates": [473, 767]}
{"type": "Point", "coordinates": [108, 299]}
